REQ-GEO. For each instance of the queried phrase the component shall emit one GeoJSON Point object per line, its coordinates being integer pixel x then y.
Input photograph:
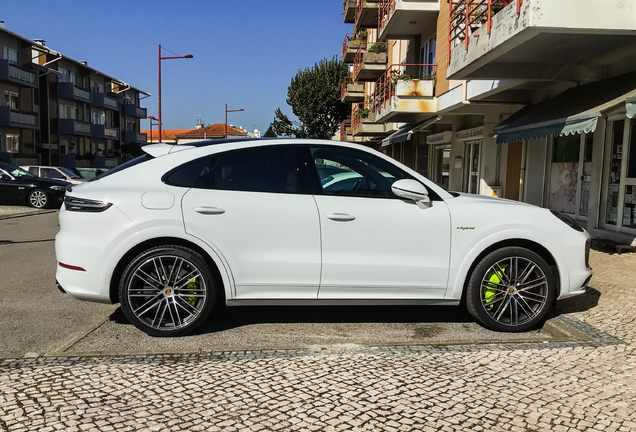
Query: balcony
{"type": "Point", "coordinates": [405, 19]}
{"type": "Point", "coordinates": [363, 122]}
{"type": "Point", "coordinates": [405, 93]}
{"type": "Point", "coordinates": [131, 110]}
{"type": "Point", "coordinates": [349, 11]}
{"type": "Point", "coordinates": [565, 40]}
{"type": "Point", "coordinates": [351, 92]}
{"type": "Point", "coordinates": [134, 137]}
{"type": "Point", "coordinates": [350, 47]}
{"type": "Point", "coordinates": [370, 62]}
{"type": "Point", "coordinates": [69, 91]}
{"type": "Point", "coordinates": [73, 127]}
{"type": "Point", "coordinates": [100, 100]}
{"type": "Point", "coordinates": [15, 75]}
{"type": "Point", "coordinates": [104, 132]}
{"type": "Point", "coordinates": [346, 133]}
{"type": "Point", "coordinates": [18, 119]}
{"type": "Point", "coordinates": [366, 15]}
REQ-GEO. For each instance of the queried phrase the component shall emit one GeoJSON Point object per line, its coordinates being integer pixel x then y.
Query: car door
{"type": "Point", "coordinates": [375, 245]}
{"type": "Point", "coordinates": [255, 206]}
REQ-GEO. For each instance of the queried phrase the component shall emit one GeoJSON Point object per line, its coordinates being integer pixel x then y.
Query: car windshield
{"type": "Point", "coordinates": [69, 173]}
{"type": "Point", "coordinates": [15, 171]}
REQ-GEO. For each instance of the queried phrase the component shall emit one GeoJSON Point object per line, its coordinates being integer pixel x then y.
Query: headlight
{"type": "Point", "coordinates": [85, 205]}
{"type": "Point", "coordinates": [568, 221]}
{"type": "Point", "coordinates": [58, 188]}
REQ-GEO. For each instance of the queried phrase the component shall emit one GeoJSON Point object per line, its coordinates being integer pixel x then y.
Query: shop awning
{"type": "Point", "coordinates": [574, 111]}
{"type": "Point", "coordinates": [405, 132]}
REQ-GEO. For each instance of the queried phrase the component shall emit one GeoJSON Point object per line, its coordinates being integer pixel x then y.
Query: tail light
{"type": "Point", "coordinates": [85, 205]}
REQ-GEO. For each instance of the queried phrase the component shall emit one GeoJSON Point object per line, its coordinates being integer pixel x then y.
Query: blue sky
{"type": "Point", "coordinates": [245, 51]}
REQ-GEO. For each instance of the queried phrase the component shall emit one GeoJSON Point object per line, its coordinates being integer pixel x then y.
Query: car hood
{"type": "Point", "coordinates": [484, 199]}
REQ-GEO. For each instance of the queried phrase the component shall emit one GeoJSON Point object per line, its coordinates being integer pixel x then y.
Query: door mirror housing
{"type": "Point", "coordinates": [6, 177]}
{"type": "Point", "coordinates": [412, 190]}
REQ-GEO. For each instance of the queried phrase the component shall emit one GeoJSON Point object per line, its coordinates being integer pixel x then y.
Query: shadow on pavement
{"type": "Point", "coordinates": [581, 303]}
{"type": "Point", "coordinates": [225, 318]}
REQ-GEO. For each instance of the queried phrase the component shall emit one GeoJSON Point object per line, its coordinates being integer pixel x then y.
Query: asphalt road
{"type": "Point", "coordinates": [38, 319]}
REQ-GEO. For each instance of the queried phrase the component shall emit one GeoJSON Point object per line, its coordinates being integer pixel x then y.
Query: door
{"type": "Point", "coordinates": [255, 207]}
{"type": "Point", "coordinates": [375, 245]}
{"type": "Point", "coordinates": [442, 166]}
{"type": "Point", "coordinates": [620, 211]}
{"type": "Point", "coordinates": [570, 174]}
{"type": "Point", "coordinates": [513, 171]}
{"type": "Point", "coordinates": [472, 152]}
{"type": "Point", "coordinates": [12, 187]}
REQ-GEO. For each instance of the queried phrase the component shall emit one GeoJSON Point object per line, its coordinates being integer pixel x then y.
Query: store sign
{"type": "Point", "coordinates": [469, 134]}
{"type": "Point", "coordinates": [440, 138]}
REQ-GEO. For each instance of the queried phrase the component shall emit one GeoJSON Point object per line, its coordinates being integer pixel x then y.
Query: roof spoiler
{"type": "Point", "coordinates": [160, 149]}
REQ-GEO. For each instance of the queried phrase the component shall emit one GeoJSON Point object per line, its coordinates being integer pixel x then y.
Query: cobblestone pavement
{"type": "Point", "coordinates": [526, 387]}
{"type": "Point", "coordinates": [11, 211]}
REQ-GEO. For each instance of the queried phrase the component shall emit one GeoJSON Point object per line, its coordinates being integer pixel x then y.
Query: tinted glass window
{"type": "Point", "coordinates": [354, 173]}
{"type": "Point", "coordinates": [34, 171]}
{"type": "Point", "coordinates": [186, 175]}
{"type": "Point", "coordinates": [262, 169]}
{"type": "Point", "coordinates": [51, 173]}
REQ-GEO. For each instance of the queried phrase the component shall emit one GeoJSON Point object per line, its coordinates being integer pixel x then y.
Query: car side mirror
{"type": "Point", "coordinates": [5, 177]}
{"type": "Point", "coordinates": [412, 190]}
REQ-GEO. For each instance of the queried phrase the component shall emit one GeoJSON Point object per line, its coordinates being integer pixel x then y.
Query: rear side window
{"type": "Point", "coordinates": [34, 171]}
{"type": "Point", "coordinates": [187, 174]}
{"type": "Point", "coordinates": [261, 169]}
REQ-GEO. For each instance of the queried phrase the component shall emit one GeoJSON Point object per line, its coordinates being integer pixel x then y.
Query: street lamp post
{"type": "Point", "coordinates": [159, 93]}
{"type": "Point", "coordinates": [151, 118]}
{"type": "Point", "coordinates": [229, 111]}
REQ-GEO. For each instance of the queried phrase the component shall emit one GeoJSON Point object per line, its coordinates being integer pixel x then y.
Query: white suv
{"type": "Point", "coordinates": [249, 222]}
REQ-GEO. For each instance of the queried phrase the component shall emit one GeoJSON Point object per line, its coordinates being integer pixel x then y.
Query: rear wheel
{"type": "Point", "coordinates": [167, 291]}
{"type": "Point", "coordinates": [511, 289]}
{"type": "Point", "coordinates": [38, 198]}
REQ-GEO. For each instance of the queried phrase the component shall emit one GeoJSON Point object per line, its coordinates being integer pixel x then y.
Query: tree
{"type": "Point", "coordinates": [314, 95]}
{"type": "Point", "coordinates": [269, 133]}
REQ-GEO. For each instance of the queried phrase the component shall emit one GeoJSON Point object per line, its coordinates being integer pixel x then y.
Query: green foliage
{"type": "Point", "coordinates": [314, 95]}
{"type": "Point", "coordinates": [364, 112]}
{"type": "Point", "coordinates": [377, 48]}
{"type": "Point", "coordinates": [269, 133]}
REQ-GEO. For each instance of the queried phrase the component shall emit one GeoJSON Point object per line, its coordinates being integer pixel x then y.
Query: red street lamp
{"type": "Point", "coordinates": [188, 56]}
{"type": "Point", "coordinates": [151, 118]}
{"type": "Point", "coordinates": [229, 111]}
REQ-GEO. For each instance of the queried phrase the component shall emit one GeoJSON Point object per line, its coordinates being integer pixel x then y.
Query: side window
{"type": "Point", "coordinates": [261, 169]}
{"type": "Point", "coordinates": [187, 174]}
{"type": "Point", "coordinates": [51, 173]}
{"type": "Point", "coordinates": [350, 172]}
{"type": "Point", "coordinates": [34, 171]}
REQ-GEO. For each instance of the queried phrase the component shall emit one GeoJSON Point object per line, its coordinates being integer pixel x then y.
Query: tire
{"type": "Point", "coordinates": [38, 198]}
{"type": "Point", "coordinates": [511, 290]}
{"type": "Point", "coordinates": [167, 291]}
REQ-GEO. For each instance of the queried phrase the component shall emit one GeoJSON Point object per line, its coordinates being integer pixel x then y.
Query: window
{"type": "Point", "coordinates": [13, 143]}
{"type": "Point", "coordinates": [11, 55]}
{"type": "Point", "coordinates": [186, 175]}
{"type": "Point", "coordinates": [98, 117]}
{"type": "Point", "coordinates": [353, 173]}
{"type": "Point", "coordinates": [64, 75]}
{"type": "Point", "coordinates": [262, 169]}
{"type": "Point", "coordinates": [50, 173]}
{"type": "Point", "coordinates": [428, 56]}
{"type": "Point", "coordinates": [566, 149]}
{"type": "Point", "coordinates": [34, 171]}
{"type": "Point", "coordinates": [12, 100]}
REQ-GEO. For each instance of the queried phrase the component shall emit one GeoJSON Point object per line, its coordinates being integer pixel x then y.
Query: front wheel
{"type": "Point", "coordinates": [38, 198]}
{"type": "Point", "coordinates": [167, 291]}
{"type": "Point", "coordinates": [511, 289]}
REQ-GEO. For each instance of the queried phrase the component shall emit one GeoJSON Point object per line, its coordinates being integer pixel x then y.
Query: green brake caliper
{"type": "Point", "coordinates": [494, 277]}
{"type": "Point", "coordinates": [192, 286]}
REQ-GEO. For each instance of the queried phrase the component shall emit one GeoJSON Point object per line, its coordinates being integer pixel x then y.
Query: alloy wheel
{"type": "Point", "coordinates": [167, 292]}
{"type": "Point", "coordinates": [514, 291]}
{"type": "Point", "coordinates": [37, 199]}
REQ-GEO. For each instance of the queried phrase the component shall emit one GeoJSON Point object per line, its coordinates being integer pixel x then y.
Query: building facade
{"type": "Point", "coordinates": [59, 111]}
{"type": "Point", "coordinates": [529, 100]}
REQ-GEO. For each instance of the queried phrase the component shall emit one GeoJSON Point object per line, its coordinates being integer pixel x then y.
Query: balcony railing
{"type": "Point", "coordinates": [366, 54]}
{"type": "Point", "coordinates": [105, 132]}
{"type": "Point", "coordinates": [359, 113]}
{"type": "Point", "coordinates": [16, 75]}
{"type": "Point", "coordinates": [466, 16]}
{"type": "Point", "coordinates": [366, 14]}
{"type": "Point", "coordinates": [134, 137]}
{"type": "Point", "coordinates": [19, 119]}
{"type": "Point", "coordinates": [385, 9]}
{"type": "Point", "coordinates": [349, 11]}
{"type": "Point", "coordinates": [406, 80]}
{"type": "Point", "coordinates": [132, 110]}
{"type": "Point", "coordinates": [100, 100]}
{"type": "Point", "coordinates": [73, 127]}
{"type": "Point", "coordinates": [343, 129]}
{"type": "Point", "coordinates": [69, 91]}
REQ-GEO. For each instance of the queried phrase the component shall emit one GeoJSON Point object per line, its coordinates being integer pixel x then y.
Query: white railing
{"type": "Point", "coordinates": [82, 94]}
{"type": "Point", "coordinates": [110, 132]}
{"type": "Point", "coordinates": [20, 75]}
{"type": "Point", "coordinates": [23, 119]}
{"type": "Point", "coordinates": [110, 103]}
{"type": "Point", "coordinates": [83, 128]}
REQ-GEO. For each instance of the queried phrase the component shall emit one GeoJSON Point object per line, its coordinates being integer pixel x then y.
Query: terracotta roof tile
{"type": "Point", "coordinates": [212, 131]}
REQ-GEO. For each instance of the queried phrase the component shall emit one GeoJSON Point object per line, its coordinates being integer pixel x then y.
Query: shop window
{"type": "Point", "coordinates": [566, 149]}
{"type": "Point", "coordinates": [631, 153]}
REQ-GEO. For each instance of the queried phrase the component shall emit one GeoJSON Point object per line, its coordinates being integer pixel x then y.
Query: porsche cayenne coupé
{"type": "Point", "coordinates": [253, 222]}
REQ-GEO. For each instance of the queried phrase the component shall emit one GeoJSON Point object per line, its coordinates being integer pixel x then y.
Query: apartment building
{"type": "Point", "coordinates": [60, 111]}
{"type": "Point", "coordinates": [530, 100]}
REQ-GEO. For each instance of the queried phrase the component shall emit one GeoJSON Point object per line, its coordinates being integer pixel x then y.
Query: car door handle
{"type": "Point", "coordinates": [341, 217]}
{"type": "Point", "coordinates": [209, 210]}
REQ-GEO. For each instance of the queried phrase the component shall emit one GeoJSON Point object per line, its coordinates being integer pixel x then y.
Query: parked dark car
{"type": "Point", "coordinates": [20, 186]}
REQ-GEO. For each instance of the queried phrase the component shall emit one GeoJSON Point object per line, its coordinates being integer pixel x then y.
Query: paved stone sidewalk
{"type": "Point", "coordinates": [529, 387]}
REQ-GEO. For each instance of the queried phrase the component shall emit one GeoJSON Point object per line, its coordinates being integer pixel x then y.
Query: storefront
{"type": "Point", "coordinates": [440, 145]}
{"type": "Point", "coordinates": [472, 140]}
